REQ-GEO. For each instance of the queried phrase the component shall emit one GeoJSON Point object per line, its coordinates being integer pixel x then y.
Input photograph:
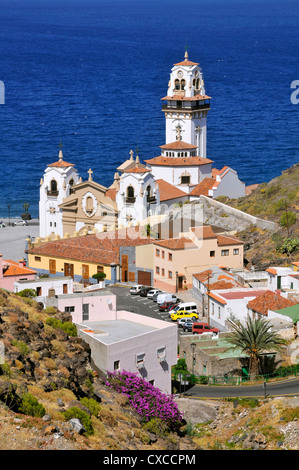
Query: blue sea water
{"type": "Point", "coordinates": [91, 74]}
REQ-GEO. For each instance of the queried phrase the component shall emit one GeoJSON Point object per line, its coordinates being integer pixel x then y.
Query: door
{"type": "Point", "coordinates": [278, 282]}
{"type": "Point", "coordinates": [69, 270]}
{"type": "Point", "coordinates": [85, 272]}
{"type": "Point", "coordinates": [124, 268]}
{"type": "Point", "coordinates": [180, 282]}
{"type": "Point", "coordinates": [144, 278]}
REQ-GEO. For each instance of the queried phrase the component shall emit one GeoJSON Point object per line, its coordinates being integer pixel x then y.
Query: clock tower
{"type": "Point", "coordinates": [186, 106]}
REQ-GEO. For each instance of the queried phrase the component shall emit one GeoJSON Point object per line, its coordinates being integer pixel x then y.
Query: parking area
{"type": "Point", "coordinates": [138, 304]}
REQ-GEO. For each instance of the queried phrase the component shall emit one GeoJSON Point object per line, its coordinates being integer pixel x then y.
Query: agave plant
{"type": "Point", "coordinates": [254, 337]}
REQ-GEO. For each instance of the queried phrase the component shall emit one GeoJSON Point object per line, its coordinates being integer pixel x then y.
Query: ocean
{"type": "Point", "coordinates": [91, 74]}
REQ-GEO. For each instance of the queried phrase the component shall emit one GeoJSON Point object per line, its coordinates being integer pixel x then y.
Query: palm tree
{"type": "Point", "coordinates": [254, 338]}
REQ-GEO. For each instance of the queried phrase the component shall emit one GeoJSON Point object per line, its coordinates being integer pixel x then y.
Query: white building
{"type": "Point", "coordinates": [134, 194]}
{"type": "Point", "coordinates": [47, 286]}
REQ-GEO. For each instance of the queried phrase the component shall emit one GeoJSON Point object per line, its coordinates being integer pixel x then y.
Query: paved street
{"type": "Point", "coordinates": [13, 239]}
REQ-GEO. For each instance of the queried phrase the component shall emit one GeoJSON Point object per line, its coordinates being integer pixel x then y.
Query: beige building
{"type": "Point", "coordinates": [177, 259]}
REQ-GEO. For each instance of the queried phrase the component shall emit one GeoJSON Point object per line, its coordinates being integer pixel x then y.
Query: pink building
{"type": "Point", "coordinates": [11, 271]}
{"type": "Point", "coordinates": [122, 340]}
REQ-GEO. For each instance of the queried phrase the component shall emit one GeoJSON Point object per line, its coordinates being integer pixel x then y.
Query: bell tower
{"type": "Point", "coordinates": [186, 106]}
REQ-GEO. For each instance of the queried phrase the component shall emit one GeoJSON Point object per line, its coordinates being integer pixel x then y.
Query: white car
{"type": "Point", "coordinates": [152, 292]}
{"type": "Point", "coordinates": [136, 289]}
{"type": "Point", "coordinates": [19, 222]}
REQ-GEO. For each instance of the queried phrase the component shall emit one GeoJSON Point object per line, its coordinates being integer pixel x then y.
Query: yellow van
{"type": "Point", "coordinates": [183, 313]}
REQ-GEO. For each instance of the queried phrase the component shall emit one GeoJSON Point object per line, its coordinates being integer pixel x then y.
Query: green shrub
{"type": "Point", "coordinates": [287, 219]}
{"type": "Point", "coordinates": [22, 347]}
{"type": "Point", "coordinates": [83, 417]}
{"type": "Point", "coordinates": [68, 327]}
{"type": "Point", "coordinates": [31, 293]}
{"type": "Point", "coordinates": [157, 426]}
{"type": "Point", "coordinates": [30, 406]}
{"type": "Point", "coordinates": [93, 406]}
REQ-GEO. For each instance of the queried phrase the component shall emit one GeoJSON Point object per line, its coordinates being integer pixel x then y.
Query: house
{"type": "Point", "coordinates": [82, 256]}
{"type": "Point", "coordinates": [230, 304]}
{"type": "Point", "coordinates": [46, 286]}
{"type": "Point", "coordinates": [121, 340]}
{"type": "Point", "coordinates": [177, 259]}
{"type": "Point", "coordinates": [224, 182]}
{"type": "Point", "coordinates": [269, 300]}
{"type": "Point", "coordinates": [12, 271]}
{"type": "Point", "coordinates": [285, 279]}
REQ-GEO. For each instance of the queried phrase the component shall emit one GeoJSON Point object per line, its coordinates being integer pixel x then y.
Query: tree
{"type": "Point", "coordinates": [99, 276]}
{"type": "Point", "coordinates": [254, 338]}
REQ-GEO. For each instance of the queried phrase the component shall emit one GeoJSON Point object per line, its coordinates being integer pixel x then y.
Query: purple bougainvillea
{"type": "Point", "coordinates": [147, 400]}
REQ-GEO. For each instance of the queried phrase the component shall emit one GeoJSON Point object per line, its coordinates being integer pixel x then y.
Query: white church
{"type": "Point", "coordinates": [182, 172]}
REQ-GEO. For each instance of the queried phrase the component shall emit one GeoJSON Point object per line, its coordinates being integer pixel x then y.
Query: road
{"type": "Point", "coordinates": [285, 387]}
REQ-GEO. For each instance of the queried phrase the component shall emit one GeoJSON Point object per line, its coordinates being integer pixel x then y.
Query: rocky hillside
{"type": "Point", "coordinates": [45, 375]}
{"type": "Point", "coordinates": [277, 201]}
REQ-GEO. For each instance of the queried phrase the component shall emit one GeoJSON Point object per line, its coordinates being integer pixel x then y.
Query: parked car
{"type": "Point", "coordinates": [166, 297]}
{"type": "Point", "coordinates": [152, 292]}
{"type": "Point", "coordinates": [145, 290]}
{"type": "Point", "coordinates": [182, 321]}
{"type": "Point", "coordinates": [199, 328]}
{"type": "Point", "coordinates": [188, 325]}
{"type": "Point", "coordinates": [189, 306]}
{"type": "Point", "coordinates": [155, 296]}
{"type": "Point", "coordinates": [136, 289]}
{"type": "Point", "coordinates": [19, 222]}
{"type": "Point", "coordinates": [166, 306]}
{"type": "Point", "coordinates": [180, 313]}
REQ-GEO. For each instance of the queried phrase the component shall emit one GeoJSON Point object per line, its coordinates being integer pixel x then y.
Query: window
{"type": "Point", "coordinates": [116, 365]}
{"type": "Point", "coordinates": [161, 354]}
{"type": "Point", "coordinates": [185, 179]}
{"type": "Point", "coordinates": [213, 308]}
{"type": "Point", "coordinates": [37, 258]}
{"type": "Point", "coordinates": [157, 270]}
{"type": "Point", "coordinates": [236, 251]}
{"type": "Point", "coordinates": [85, 311]}
{"type": "Point", "coordinates": [100, 269]}
{"type": "Point", "coordinates": [224, 252]}
{"type": "Point", "coordinates": [130, 194]}
{"type": "Point", "coordinates": [218, 312]}
{"type": "Point", "coordinates": [169, 256]}
{"type": "Point", "coordinates": [140, 360]}
{"type": "Point", "coordinates": [212, 254]}
{"type": "Point", "coordinates": [64, 288]}
{"type": "Point", "coordinates": [163, 272]}
{"type": "Point", "coordinates": [70, 309]}
{"type": "Point", "coordinates": [53, 186]}
{"type": "Point", "coordinates": [162, 254]}
{"type": "Point", "coordinates": [38, 291]}
{"type": "Point", "coordinates": [170, 274]}
{"type": "Point", "coordinates": [52, 266]}
{"type": "Point", "coordinates": [157, 252]}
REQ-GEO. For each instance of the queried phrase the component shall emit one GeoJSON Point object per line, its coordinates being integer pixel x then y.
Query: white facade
{"type": "Point", "coordinates": [182, 113]}
{"type": "Point", "coordinates": [58, 285]}
{"type": "Point", "coordinates": [230, 304]}
{"type": "Point", "coordinates": [137, 197]}
{"type": "Point", "coordinates": [55, 186]}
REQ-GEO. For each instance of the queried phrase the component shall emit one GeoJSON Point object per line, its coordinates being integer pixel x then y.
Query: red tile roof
{"type": "Point", "coordinates": [269, 301]}
{"type": "Point", "coordinates": [242, 294]}
{"type": "Point", "coordinates": [101, 248]}
{"type": "Point", "coordinates": [271, 271]}
{"type": "Point", "coordinates": [111, 192]}
{"type": "Point", "coordinates": [176, 243]}
{"type": "Point", "coordinates": [186, 98]}
{"type": "Point", "coordinates": [217, 298]}
{"type": "Point", "coordinates": [178, 161]}
{"type": "Point", "coordinates": [178, 145]}
{"type": "Point", "coordinates": [14, 269]}
{"type": "Point", "coordinates": [168, 191]}
{"type": "Point", "coordinates": [203, 187]}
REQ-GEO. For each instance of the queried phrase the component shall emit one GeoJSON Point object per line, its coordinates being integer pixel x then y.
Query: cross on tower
{"type": "Point", "coordinates": [90, 172]}
{"type": "Point", "coordinates": [178, 132]}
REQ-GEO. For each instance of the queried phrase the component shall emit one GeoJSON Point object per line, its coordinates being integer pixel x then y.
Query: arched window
{"type": "Point", "coordinates": [183, 84]}
{"type": "Point", "coordinates": [130, 194]}
{"type": "Point", "coordinates": [177, 84]}
{"type": "Point", "coordinates": [53, 186]}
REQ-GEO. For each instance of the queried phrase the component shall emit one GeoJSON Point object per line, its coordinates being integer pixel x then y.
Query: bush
{"type": "Point", "coordinates": [30, 406]}
{"type": "Point", "coordinates": [99, 276]}
{"type": "Point", "coordinates": [287, 219]}
{"type": "Point", "coordinates": [289, 245]}
{"type": "Point", "coordinates": [93, 406]}
{"type": "Point", "coordinates": [31, 293]}
{"type": "Point", "coordinates": [148, 401]}
{"type": "Point", "coordinates": [68, 327]}
{"type": "Point", "coordinates": [83, 417]}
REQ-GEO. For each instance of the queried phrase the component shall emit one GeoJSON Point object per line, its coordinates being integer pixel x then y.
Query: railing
{"type": "Point", "coordinates": [52, 193]}
{"type": "Point", "coordinates": [130, 200]}
{"type": "Point", "coordinates": [178, 105]}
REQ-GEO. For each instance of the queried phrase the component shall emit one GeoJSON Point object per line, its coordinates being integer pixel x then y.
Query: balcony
{"type": "Point", "coordinates": [186, 106]}
{"type": "Point", "coordinates": [52, 193]}
{"type": "Point", "coordinates": [130, 200]}
{"type": "Point", "coordinates": [151, 199]}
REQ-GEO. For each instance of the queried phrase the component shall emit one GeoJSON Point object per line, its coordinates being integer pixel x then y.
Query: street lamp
{"type": "Point", "coordinates": [8, 206]}
{"type": "Point", "coordinates": [176, 282]}
{"type": "Point", "coordinates": [193, 346]}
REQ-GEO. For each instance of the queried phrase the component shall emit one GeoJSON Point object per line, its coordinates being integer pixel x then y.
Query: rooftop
{"type": "Point", "coordinates": [178, 161]}
{"type": "Point", "coordinates": [269, 301]}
